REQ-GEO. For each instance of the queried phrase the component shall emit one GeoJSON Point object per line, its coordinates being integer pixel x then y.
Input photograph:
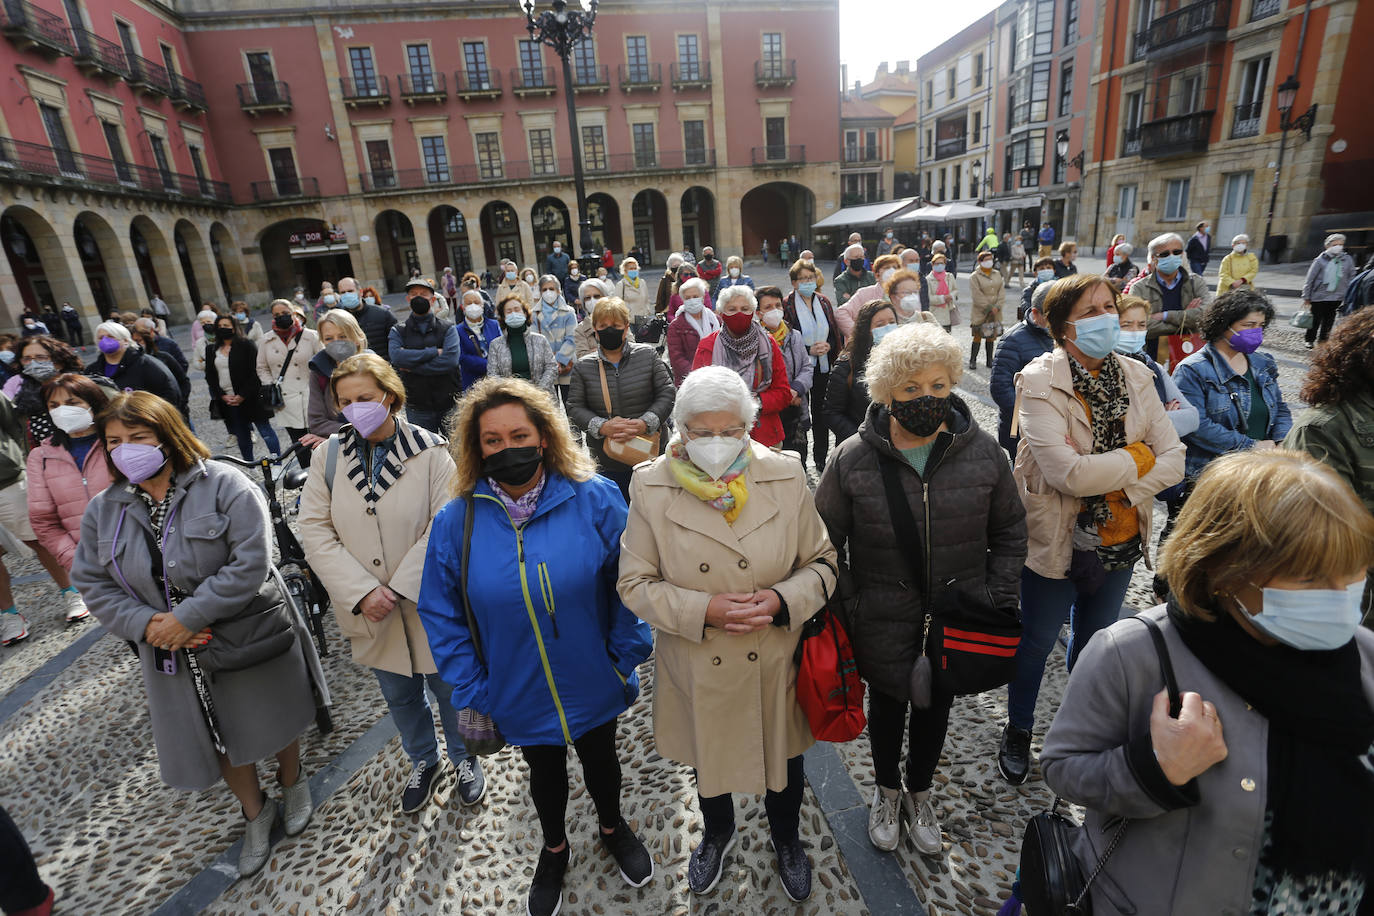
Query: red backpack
{"type": "Point", "coordinates": [828, 685]}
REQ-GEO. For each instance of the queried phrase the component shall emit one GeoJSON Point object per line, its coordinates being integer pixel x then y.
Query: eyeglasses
{"type": "Point", "coordinates": [733, 432]}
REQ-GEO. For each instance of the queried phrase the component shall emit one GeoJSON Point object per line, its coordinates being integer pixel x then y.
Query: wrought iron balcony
{"type": "Point", "coordinates": [777, 154]}
{"type": "Point", "coordinates": [951, 146]}
{"type": "Point", "coordinates": [641, 77]}
{"type": "Point", "coordinates": [96, 55]}
{"type": "Point", "coordinates": [149, 77]}
{"type": "Point", "coordinates": [691, 76]}
{"type": "Point", "coordinates": [386, 181]}
{"type": "Point", "coordinates": [32, 28]}
{"type": "Point", "coordinates": [1247, 120]}
{"type": "Point", "coordinates": [371, 91]}
{"type": "Point", "coordinates": [775, 72]}
{"type": "Point", "coordinates": [284, 189]}
{"type": "Point", "coordinates": [477, 83]}
{"type": "Point", "coordinates": [1191, 26]}
{"type": "Point", "coordinates": [258, 98]}
{"type": "Point", "coordinates": [423, 87]}
{"type": "Point", "coordinates": [188, 94]}
{"type": "Point", "coordinates": [860, 155]}
{"type": "Point", "coordinates": [1130, 142]}
{"type": "Point", "coordinates": [591, 79]}
{"type": "Point", "coordinates": [1181, 135]}
{"type": "Point", "coordinates": [533, 81]}
{"type": "Point", "coordinates": [31, 163]}
{"type": "Point", "coordinates": [1262, 9]}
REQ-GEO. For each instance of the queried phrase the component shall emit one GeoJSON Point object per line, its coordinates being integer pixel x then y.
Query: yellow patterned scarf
{"type": "Point", "coordinates": [780, 332]}
{"type": "Point", "coordinates": [728, 495]}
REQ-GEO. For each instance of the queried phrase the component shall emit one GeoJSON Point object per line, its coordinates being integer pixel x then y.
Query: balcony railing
{"type": "Point", "coordinates": [861, 154]}
{"type": "Point", "coordinates": [265, 96]}
{"type": "Point", "coordinates": [35, 164]}
{"type": "Point", "coordinates": [692, 76]}
{"type": "Point", "coordinates": [477, 84]}
{"type": "Point", "coordinates": [1130, 142]}
{"type": "Point", "coordinates": [1196, 24]}
{"type": "Point", "coordinates": [1177, 136]}
{"type": "Point", "coordinates": [284, 189]}
{"type": "Point", "coordinates": [1262, 9]}
{"type": "Point", "coordinates": [188, 94]}
{"type": "Point", "coordinates": [423, 87]}
{"type": "Point", "coordinates": [372, 91]}
{"type": "Point", "coordinates": [148, 76]}
{"type": "Point", "coordinates": [1247, 121]}
{"type": "Point", "coordinates": [951, 146]}
{"type": "Point", "coordinates": [528, 81]}
{"type": "Point", "coordinates": [778, 155]}
{"type": "Point", "coordinates": [591, 79]}
{"type": "Point", "coordinates": [390, 180]}
{"type": "Point", "coordinates": [98, 55]}
{"type": "Point", "coordinates": [641, 77]}
{"type": "Point", "coordinates": [30, 27]}
{"type": "Point", "coordinates": [772, 72]}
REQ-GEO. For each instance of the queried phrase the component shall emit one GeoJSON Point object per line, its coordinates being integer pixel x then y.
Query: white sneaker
{"type": "Point", "coordinates": [924, 825]}
{"type": "Point", "coordinates": [884, 826]}
{"type": "Point", "coordinates": [13, 628]}
{"type": "Point", "coordinates": [76, 608]}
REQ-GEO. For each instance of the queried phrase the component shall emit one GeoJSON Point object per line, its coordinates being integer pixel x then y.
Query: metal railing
{"type": "Point", "coordinates": [640, 76]}
{"type": "Point", "coordinates": [477, 83]}
{"type": "Point", "coordinates": [423, 85]}
{"type": "Point", "coordinates": [99, 52]}
{"type": "Point", "coordinates": [532, 79]}
{"type": "Point", "coordinates": [1176, 136]}
{"type": "Point", "coordinates": [26, 22]}
{"type": "Point", "coordinates": [951, 146]}
{"type": "Point", "coordinates": [1247, 120]}
{"type": "Point", "coordinates": [374, 89]}
{"type": "Point", "coordinates": [775, 71]}
{"type": "Point", "coordinates": [1262, 9]}
{"type": "Point", "coordinates": [1187, 27]}
{"type": "Point", "coordinates": [275, 94]}
{"type": "Point", "coordinates": [1130, 142]}
{"type": "Point", "coordinates": [591, 78]}
{"type": "Point", "coordinates": [779, 154]}
{"type": "Point", "coordinates": [284, 189]}
{"type": "Point", "coordinates": [386, 180]}
{"type": "Point", "coordinates": [34, 163]}
{"type": "Point", "coordinates": [149, 74]}
{"type": "Point", "coordinates": [188, 91]}
{"type": "Point", "coordinates": [692, 75]}
{"type": "Point", "coordinates": [861, 154]}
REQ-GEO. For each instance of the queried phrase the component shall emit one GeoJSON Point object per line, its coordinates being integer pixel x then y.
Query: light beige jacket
{"type": "Point", "coordinates": [726, 703]}
{"type": "Point", "coordinates": [295, 385]}
{"type": "Point", "coordinates": [1053, 476]}
{"type": "Point", "coordinates": [987, 294]}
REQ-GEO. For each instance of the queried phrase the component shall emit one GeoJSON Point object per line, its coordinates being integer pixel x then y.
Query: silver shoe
{"type": "Point", "coordinates": [884, 826]}
{"type": "Point", "coordinates": [257, 839]}
{"type": "Point", "coordinates": [923, 824]}
{"type": "Point", "coordinates": [298, 805]}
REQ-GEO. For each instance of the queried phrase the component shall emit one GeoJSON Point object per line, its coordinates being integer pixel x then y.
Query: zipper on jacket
{"type": "Point", "coordinates": [534, 621]}
{"type": "Point", "coordinates": [546, 591]}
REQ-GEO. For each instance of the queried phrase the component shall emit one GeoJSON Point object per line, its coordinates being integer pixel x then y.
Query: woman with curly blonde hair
{"type": "Point", "coordinates": [534, 527]}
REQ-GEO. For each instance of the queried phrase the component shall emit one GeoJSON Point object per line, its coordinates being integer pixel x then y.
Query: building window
{"type": "Point", "coordinates": [164, 168]}
{"type": "Point", "coordinates": [637, 58]}
{"type": "Point", "coordinates": [1029, 96]}
{"type": "Point", "coordinates": [457, 225]}
{"type": "Point", "coordinates": [930, 144]}
{"type": "Point", "coordinates": [283, 163]}
{"type": "Point", "coordinates": [421, 68]}
{"type": "Point", "coordinates": [435, 153]}
{"type": "Point", "coordinates": [977, 127]}
{"type": "Point", "coordinates": [1044, 26]}
{"type": "Point", "coordinates": [694, 142]}
{"type": "Point", "coordinates": [688, 58]}
{"type": "Point", "coordinates": [168, 58]}
{"type": "Point", "coordinates": [1061, 168]}
{"type": "Point", "coordinates": [1026, 152]}
{"type": "Point", "coordinates": [950, 136]}
{"type": "Point", "coordinates": [1134, 111]}
{"type": "Point", "coordinates": [951, 85]}
{"type": "Point", "coordinates": [775, 137]}
{"type": "Point", "coordinates": [262, 76]}
{"type": "Point", "coordinates": [870, 145]}
{"type": "Point", "coordinates": [489, 163]}
{"type": "Point", "coordinates": [126, 38]}
{"type": "Point", "coordinates": [542, 161]}
{"type": "Point", "coordinates": [930, 93]}
{"type": "Point", "coordinates": [942, 185]}
{"type": "Point", "coordinates": [531, 63]}
{"type": "Point", "coordinates": [978, 70]}
{"type": "Point", "coordinates": [1176, 199]}
{"type": "Point", "coordinates": [122, 169]}
{"type": "Point", "coordinates": [1070, 22]}
{"type": "Point", "coordinates": [851, 146]}
{"type": "Point", "coordinates": [584, 62]}
{"type": "Point", "coordinates": [57, 138]}
{"type": "Point", "coordinates": [958, 180]}
{"type": "Point", "coordinates": [594, 147]}
{"type": "Point", "coordinates": [1066, 89]}
{"type": "Point", "coordinates": [772, 52]}
{"type": "Point", "coordinates": [198, 166]}
{"type": "Point", "coordinates": [646, 154]}
{"type": "Point", "coordinates": [364, 72]}
{"type": "Point", "coordinates": [475, 63]}
{"type": "Point", "coordinates": [1250, 102]}
{"type": "Point", "coordinates": [380, 165]}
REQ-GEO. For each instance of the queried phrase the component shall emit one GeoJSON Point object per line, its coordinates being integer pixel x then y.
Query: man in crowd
{"type": "Point", "coordinates": [1046, 240]}
{"type": "Point", "coordinates": [75, 333]}
{"type": "Point", "coordinates": [709, 269]}
{"type": "Point", "coordinates": [888, 242]}
{"type": "Point", "coordinates": [375, 321]}
{"type": "Point", "coordinates": [1199, 248]}
{"type": "Point", "coordinates": [1023, 343]}
{"type": "Point", "coordinates": [855, 276]}
{"type": "Point", "coordinates": [557, 262]}
{"type": "Point", "coordinates": [843, 263]}
{"type": "Point", "coordinates": [424, 350]}
{"type": "Point", "coordinates": [1177, 298]}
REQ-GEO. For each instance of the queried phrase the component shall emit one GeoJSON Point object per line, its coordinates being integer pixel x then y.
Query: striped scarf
{"type": "Point", "coordinates": [408, 442]}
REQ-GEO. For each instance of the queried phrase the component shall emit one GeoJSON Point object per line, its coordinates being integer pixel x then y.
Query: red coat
{"type": "Point", "coordinates": [773, 400]}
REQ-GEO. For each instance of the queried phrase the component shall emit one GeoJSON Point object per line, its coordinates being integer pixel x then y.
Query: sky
{"type": "Point", "coordinates": [873, 31]}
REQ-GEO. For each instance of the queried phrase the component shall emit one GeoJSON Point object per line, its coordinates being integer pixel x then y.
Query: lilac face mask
{"type": "Point", "coordinates": [366, 416]}
{"type": "Point", "coordinates": [137, 461]}
{"type": "Point", "coordinates": [109, 344]}
{"type": "Point", "coordinates": [1247, 341]}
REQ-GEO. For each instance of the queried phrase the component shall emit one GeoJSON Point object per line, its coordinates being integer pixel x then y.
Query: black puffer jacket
{"type": "Point", "coordinates": [976, 538]}
{"type": "Point", "coordinates": [376, 323]}
{"type": "Point", "coordinates": [639, 387]}
{"type": "Point", "coordinates": [846, 400]}
{"type": "Point", "coordinates": [140, 372]}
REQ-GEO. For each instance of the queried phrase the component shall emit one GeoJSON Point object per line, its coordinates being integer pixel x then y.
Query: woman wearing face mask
{"type": "Point", "coordinates": [176, 558]}
{"type": "Point", "coordinates": [725, 556]}
{"type": "Point", "coordinates": [847, 400]}
{"type": "Point", "coordinates": [906, 290]}
{"type": "Point", "coordinates": [1273, 747]}
{"type": "Point", "coordinates": [686, 273]}
{"type": "Point", "coordinates": [557, 321]}
{"type": "Point", "coordinates": [521, 351]}
{"type": "Point", "coordinates": [473, 282]}
{"type": "Point", "coordinates": [745, 346]}
{"type": "Point", "coordinates": [693, 322]}
{"type": "Point", "coordinates": [944, 293]}
{"type": "Point", "coordinates": [1134, 314]}
{"type": "Point", "coordinates": [885, 267]}
{"type": "Point", "coordinates": [340, 337]}
{"type": "Point", "coordinates": [972, 533]}
{"type": "Point", "coordinates": [231, 372]}
{"type": "Point", "coordinates": [1239, 267]}
{"type": "Point", "coordinates": [370, 296]}
{"type": "Point", "coordinates": [328, 299]}
{"type": "Point", "coordinates": [634, 292]}
{"type": "Point", "coordinates": [247, 325]}
{"type": "Point", "coordinates": [128, 368]}
{"type": "Point", "coordinates": [561, 669]}
{"type": "Point", "coordinates": [1096, 446]}
{"type": "Point", "coordinates": [987, 288]}
{"type": "Point", "coordinates": [203, 325]}
{"type": "Point", "coordinates": [811, 313]}
{"type": "Point", "coordinates": [667, 284]}
{"type": "Point", "coordinates": [1044, 273]}
{"type": "Point", "coordinates": [639, 387]}
{"type": "Point", "coordinates": [390, 477]}
{"type": "Point", "coordinates": [796, 416]}
{"type": "Point", "coordinates": [284, 357]}
{"type": "Point", "coordinates": [589, 293]}
{"type": "Point", "coordinates": [734, 274]}
{"type": "Point", "coordinates": [476, 334]}
{"type": "Point", "coordinates": [1325, 286]}
{"type": "Point", "coordinates": [1111, 249]}
{"type": "Point", "coordinates": [1120, 270]}
{"type": "Point", "coordinates": [40, 358]}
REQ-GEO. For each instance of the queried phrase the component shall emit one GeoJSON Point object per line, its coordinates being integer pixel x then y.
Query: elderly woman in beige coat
{"type": "Point", "coordinates": [365, 520]}
{"type": "Point", "coordinates": [289, 339]}
{"type": "Point", "coordinates": [986, 286]}
{"type": "Point", "coordinates": [725, 555]}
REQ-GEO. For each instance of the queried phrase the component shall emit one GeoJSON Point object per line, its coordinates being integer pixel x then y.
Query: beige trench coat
{"type": "Point", "coordinates": [988, 295]}
{"type": "Point", "coordinates": [354, 552]}
{"type": "Point", "coordinates": [295, 385]}
{"type": "Point", "coordinates": [725, 703]}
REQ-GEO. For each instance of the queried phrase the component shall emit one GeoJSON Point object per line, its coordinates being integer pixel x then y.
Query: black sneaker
{"type": "Point", "coordinates": [793, 868]}
{"type": "Point", "coordinates": [420, 787]}
{"type": "Point", "coordinates": [546, 890]}
{"type": "Point", "coordinates": [1013, 757]}
{"type": "Point", "coordinates": [472, 785]}
{"type": "Point", "coordinates": [636, 865]}
{"type": "Point", "coordinates": [708, 861]}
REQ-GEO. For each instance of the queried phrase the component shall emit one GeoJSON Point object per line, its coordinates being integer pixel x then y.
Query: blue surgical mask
{"type": "Point", "coordinates": [515, 320]}
{"type": "Point", "coordinates": [1314, 619]}
{"type": "Point", "coordinates": [348, 300]}
{"type": "Point", "coordinates": [1130, 342]}
{"type": "Point", "coordinates": [880, 333]}
{"type": "Point", "coordinates": [632, 274]}
{"type": "Point", "coordinates": [1044, 276]}
{"type": "Point", "coordinates": [1097, 336]}
{"type": "Point", "coordinates": [807, 288]}
{"type": "Point", "coordinates": [1170, 263]}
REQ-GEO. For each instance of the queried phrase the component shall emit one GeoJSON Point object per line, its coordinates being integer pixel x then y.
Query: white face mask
{"type": "Point", "coordinates": [557, 249]}
{"type": "Point", "coordinates": [589, 303]}
{"type": "Point", "coordinates": [911, 303]}
{"type": "Point", "coordinates": [1121, 258]}
{"type": "Point", "coordinates": [70, 419]}
{"type": "Point", "coordinates": [693, 305]}
{"type": "Point", "coordinates": [886, 274]}
{"type": "Point", "coordinates": [714, 454]}
{"type": "Point", "coordinates": [549, 295]}
{"type": "Point", "coordinates": [1239, 248]}
{"type": "Point", "coordinates": [772, 318]}
{"type": "Point", "coordinates": [1336, 250]}
{"type": "Point", "coordinates": [473, 311]}
{"type": "Point", "coordinates": [734, 271]}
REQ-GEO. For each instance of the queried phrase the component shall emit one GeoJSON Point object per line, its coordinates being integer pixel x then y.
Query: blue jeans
{"type": "Point", "coordinates": [431, 420]}
{"type": "Point", "coordinates": [1045, 603]}
{"type": "Point", "coordinates": [241, 428]}
{"type": "Point", "coordinates": [405, 697]}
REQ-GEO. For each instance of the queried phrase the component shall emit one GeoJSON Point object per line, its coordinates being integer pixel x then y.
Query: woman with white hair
{"type": "Point", "coordinates": [634, 292]}
{"type": "Point", "coordinates": [667, 284]}
{"type": "Point", "coordinates": [743, 346]}
{"type": "Point", "coordinates": [1239, 267]}
{"type": "Point", "coordinates": [127, 367]}
{"type": "Point", "coordinates": [1120, 269]}
{"type": "Point", "coordinates": [692, 322]}
{"type": "Point", "coordinates": [734, 275]}
{"type": "Point", "coordinates": [725, 556]}
{"type": "Point", "coordinates": [592, 291]}
{"type": "Point", "coordinates": [1325, 287]}
{"type": "Point", "coordinates": [967, 555]}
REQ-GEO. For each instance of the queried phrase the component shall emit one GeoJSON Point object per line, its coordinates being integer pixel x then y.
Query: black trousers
{"type": "Point", "coordinates": [783, 808]}
{"type": "Point", "coordinates": [791, 419]}
{"type": "Point", "coordinates": [1323, 316]}
{"type": "Point", "coordinates": [887, 717]}
{"type": "Point", "coordinates": [820, 433]}
{"type": "Point", "coordinates": [295, 433]}
{"type": "Point", "coordinates": [20, 886]}
{"type": "Point", "coordinates": [549, 780]}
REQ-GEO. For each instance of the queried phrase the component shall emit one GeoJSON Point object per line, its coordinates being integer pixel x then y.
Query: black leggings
{"type": "Point", "coordinates": [549, 780]}
{"type": "Point", "coordinates": [303, 456]}
{"type": "Point", "coordinates": [20, 886]}
{"type": "Point", "coordinates": [820, 432]}
{"type": "Point", "coordinates": [1323, 316]}
{"type": "Point", "coordinates": [886, 717]}
{"type": "Point", "coordinates": [783, 808]}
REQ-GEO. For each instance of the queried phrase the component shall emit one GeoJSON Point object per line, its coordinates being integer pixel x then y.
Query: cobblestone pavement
{"type": "Point", "coordinates": [80, 778]}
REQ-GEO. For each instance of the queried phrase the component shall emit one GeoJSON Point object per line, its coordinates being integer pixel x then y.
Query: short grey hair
{"type": "Point", "coordinates": [731, 293]}
{"type": "Point", "coordinates": [1159, 241]}
{"type": "Point", "coordinates": [675, 260]}
{"type": "Point", "coordinates": [602, 288]}
{"type": "Point", "coordinates": [854, 251]}
{"type": "Point", "coordinates": [1125, 248]}
{"type": "Point", "coordinates": [698, 284]}
{"type": "Point", "coordinates": [937, 245]}
{"type": "Point", "coordinates": [712, 388]}
{"type": "Point", "coordinates": [1041, 291]}
{"type": "Point", "coordinates": [146, 324]}
{"type": "Point", "coordinates": [1241, 238]}
{"type": "Point", "coordinates": [910, 349]}
{"type": "Point", "coordinates": [1333, 238]}
{"type": "Point", "coordinates": [116, 330]}
{"type": "Point", "coordinates": [475, 294]}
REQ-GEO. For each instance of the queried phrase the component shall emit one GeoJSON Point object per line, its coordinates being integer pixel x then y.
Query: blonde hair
{"type": "Point", "coordinates": [1238, 528]}
{"type": "Point", "coordinates": [562, 454]}
{"type": "Point", "coordinates": [378, 369]}
{"type": "Point", "coordinates": [1126, 303]}
{"type": "Point", "coordinates": [884, 261]}
{"type": "Point", "coordinates": [910, 349]}
{"type": "Point", "coordinates": [734, 261]}
{"type": "Point", "coordinates": [345, 323]}
{"type": "Point", "coordinates": [612, 309]}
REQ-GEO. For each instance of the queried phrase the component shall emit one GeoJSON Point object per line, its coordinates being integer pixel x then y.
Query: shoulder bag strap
{"type": "Point", "coordinates": [469, 504]}
{"type": "Point", "coordinates": [286, 363]}
{"type": "Point", "coordinates": [331, 460]}
{"type": "Point", "coordinates": [605, 391]}
{"type": "Point", "coordinates": [904, 523]}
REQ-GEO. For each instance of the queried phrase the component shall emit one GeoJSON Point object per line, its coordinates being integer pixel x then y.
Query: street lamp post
{"type": "Point", "coordinates": [1285, 95]}
{"type": "Point", "coordinates": [561, 29]}
{"type": "Point", "coordinates": [1061, 146]}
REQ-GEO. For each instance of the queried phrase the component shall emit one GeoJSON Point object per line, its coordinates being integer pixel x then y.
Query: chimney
{"type": "Point", "coordinates": [882, 68]}
{"type": "Point", "coordinates": [903, 67]}
{"type": "Point", "coordinates": [844, 76]}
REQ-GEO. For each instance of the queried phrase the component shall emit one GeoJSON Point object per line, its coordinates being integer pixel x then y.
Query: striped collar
{"type": "Point", "coordinates": [408, 442]}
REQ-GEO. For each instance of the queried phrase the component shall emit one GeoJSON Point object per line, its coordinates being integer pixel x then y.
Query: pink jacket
{"type": "Point", "coordinates": [59, 492]}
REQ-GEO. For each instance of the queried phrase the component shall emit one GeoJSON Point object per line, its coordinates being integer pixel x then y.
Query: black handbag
{"type": "Point", "coordinates": [273, 399]}
{"type": "Point", "coordinates": [1051, 881]}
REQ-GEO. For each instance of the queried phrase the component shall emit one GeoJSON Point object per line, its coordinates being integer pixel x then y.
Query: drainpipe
{"type": "Point", "coordinates": [1106, 119]}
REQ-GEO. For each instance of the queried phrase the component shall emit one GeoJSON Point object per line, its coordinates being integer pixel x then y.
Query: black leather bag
{"type": "Point", "coordinates": [261, 633]}
{"type": "Point", "coordinates": [272, 397]}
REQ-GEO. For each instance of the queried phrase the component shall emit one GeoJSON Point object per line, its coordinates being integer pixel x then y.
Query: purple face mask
{"type": "Point", "coordinates": [366, 416]}
{"type": "Point", "coordinates": [1247, 341]}
{"type": "Point", "coordinates": [137, 461]}
{"type": "Point", "coordinates": [109, 344]}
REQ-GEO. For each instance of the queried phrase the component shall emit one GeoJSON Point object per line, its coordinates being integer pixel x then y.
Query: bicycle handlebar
{"type": "Point", "coordinates": [258, 462]}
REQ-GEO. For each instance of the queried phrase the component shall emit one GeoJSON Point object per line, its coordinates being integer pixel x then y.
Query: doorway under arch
{"type": "Point", "coordinates": [34, 254]}
{"type": "Point", "coordinates": [396, 245]}
{"type": "Point", "coordinates": [299, 253]}
{"type": "Point", "coordinates": [156, 263]}
{"type": "Point", "coordinates": [774, 211]}
{"type": "Point", "coordinates": [650, 212]}
{"type": "Point", "coordinates": [501, 233]}
{"type": "Point", "coordinates": [698, 219]}
{"type": "Point", "coordinates": [103, 263]}
{"type": "Point", "coordinates": [448, 238]}
{"type": "Point", "coordinates": [550, 222]}
{"type": "Point", "coordinates": [604, 215]}
{"type": "Point", "coordinates": [228, 265]}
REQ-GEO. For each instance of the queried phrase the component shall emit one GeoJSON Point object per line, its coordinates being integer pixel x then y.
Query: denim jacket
{"type": "Point", "coordinates": [1223, 401]}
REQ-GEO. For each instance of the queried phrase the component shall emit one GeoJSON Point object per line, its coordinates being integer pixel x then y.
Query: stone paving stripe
{"type": "Point", "coordinates": [980, 398]}
{"type": "Point", "coordinates": [29, 687]}
{"type": "Point", "coordinates": [882, 883]}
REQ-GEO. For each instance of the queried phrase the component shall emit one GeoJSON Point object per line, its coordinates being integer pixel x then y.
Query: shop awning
{"type": "Point", "coordinates": [1016, 203]}
{"type": "Point", "coordinates": [946, 214]}
{"type": "Point", "coordinates": [865, 214]}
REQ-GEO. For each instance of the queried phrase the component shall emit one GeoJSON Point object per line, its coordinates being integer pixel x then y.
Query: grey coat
{"type": "Point", "coordinates": [543, 366]}
{"type": "Point", "coordinates": [1314, 284]}
{"type": "Point", "coordinates": [799, 373]}
{"type": "Point", "coordinates": [218, 549]}
{"type": "Point", "coordinates": [1179, 858]}
{"type": "Point", "coordinates": [976, 537]}
{"type": "Point", "coordinates": [641, 388]}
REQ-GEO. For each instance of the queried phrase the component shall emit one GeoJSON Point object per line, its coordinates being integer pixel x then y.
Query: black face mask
{"type": "Point", "coordinates": [283, 321]}
{"type": "Point", "coordinates": [419, 306]}
{"type": "Point", "coordinates": [513, 466]}
{"type": "Point", "coordinates": [223, 334]}
{"type": "Point", "coordinates": [921, 416]}
{"type": "Point", "coordinates": [611, 338]}
{"type": "Point", "coordinates": [857, 265]}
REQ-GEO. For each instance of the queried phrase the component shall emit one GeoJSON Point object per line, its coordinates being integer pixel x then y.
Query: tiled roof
{"type": "Point", "coordinates": [858, 109]}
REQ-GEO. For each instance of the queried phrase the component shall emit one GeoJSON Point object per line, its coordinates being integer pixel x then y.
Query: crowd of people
{"type": "Point", "coordinates": [518, 495]}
